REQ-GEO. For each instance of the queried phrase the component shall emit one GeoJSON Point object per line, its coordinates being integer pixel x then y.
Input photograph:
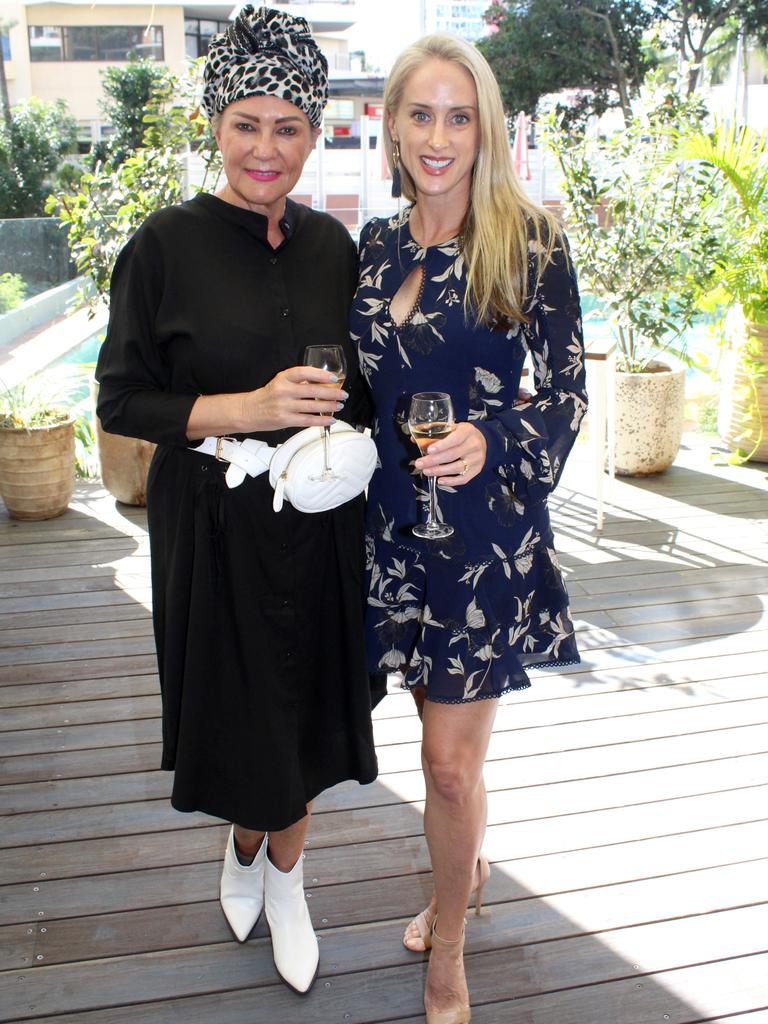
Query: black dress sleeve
{"type": "Point", "coordinates": [529, 443]}
{"type": "Point", "coordinates": [134, 378]}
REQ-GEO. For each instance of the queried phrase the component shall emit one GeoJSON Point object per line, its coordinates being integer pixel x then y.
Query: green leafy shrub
{"type": "Point", "coordinates": [40, 134]}
{"type": "Point", "coordinates": [12, 291]}
{"type": "Point", "coordinates": [111, 202]}
{"type": "Point", "coordinates": [128, 89]}
{"type": "Point", "coordinates": [641, 243]}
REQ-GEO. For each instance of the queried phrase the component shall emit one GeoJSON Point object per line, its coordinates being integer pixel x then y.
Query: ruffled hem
{"type": "Point", "coordinates": [469, 700]}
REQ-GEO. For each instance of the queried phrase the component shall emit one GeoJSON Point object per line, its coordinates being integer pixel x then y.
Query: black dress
{"type": "Point", "coordinates": [258, 616]}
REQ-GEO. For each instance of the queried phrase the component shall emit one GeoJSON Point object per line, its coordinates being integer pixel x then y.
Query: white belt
{"type": "Point", "coordinates": [249, 457]}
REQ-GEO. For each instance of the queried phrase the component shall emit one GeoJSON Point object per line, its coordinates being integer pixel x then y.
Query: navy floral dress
{"type": "Point", "coordinates": [467, 614]}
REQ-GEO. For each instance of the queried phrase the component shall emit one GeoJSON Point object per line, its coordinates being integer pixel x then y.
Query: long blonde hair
{"type": "Point", "coordinates": [501, 220]}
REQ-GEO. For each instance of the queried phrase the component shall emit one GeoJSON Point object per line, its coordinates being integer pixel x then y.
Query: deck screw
{"type": "Point", "coordinates": [43, 931]}
{"type": "Point", "coordinates": [29, 931]}
{"type": "Point", "coordinates": [327, 984]}
{"type": "Point", "coordinates": [39, 956]}
{"type": "Point", "coordinates": [324, 920]}
{"type": "Point", "coordinates": [43, 874]}
{"type": "Point", "coordinates": [36, 888]}
{"type": "Point", "coordinates": [314, 881]}
{"type": "Point", "coordinates": [41, 913]}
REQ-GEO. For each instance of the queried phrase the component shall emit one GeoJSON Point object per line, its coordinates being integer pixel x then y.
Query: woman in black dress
{"type": "Point", "coordinates": [257, 614]}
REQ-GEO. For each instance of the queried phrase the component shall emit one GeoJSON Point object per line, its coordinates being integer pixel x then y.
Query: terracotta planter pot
{"type": "Point", "coordinates": [649, 419]}
{"type": "Point", "coordinates": [742, 418]}
{"type": "Point", "coordinates": [37, 470]}
{"type": "Point", "coordinates": [123, 461]}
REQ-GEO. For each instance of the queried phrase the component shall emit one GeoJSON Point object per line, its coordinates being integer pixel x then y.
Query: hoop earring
{"type": "Point", "coordinates": [397, 190]}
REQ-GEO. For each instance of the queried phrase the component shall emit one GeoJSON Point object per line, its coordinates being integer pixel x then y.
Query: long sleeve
{"type": "Point", "coordinates": [134, 378]}
{"type": "Point", "coordinates": [529, 442]}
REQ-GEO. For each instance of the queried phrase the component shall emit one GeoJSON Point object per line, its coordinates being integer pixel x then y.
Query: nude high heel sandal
{"type": "Point", "coordinates": [425, 919]}
{"type": "Point", "coordinates": [482, 874]}
{"type": "Point", "coordinates": [456, 1014]}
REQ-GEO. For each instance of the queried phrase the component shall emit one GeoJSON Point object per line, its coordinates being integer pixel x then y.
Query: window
{"type": "Point", "coordinates": [45, 43]}
{"type": "Point", "coordinates": [94, 42]}
{"type": "Point", "coordinates": [197, 35]}
{"type": "Point", "coordinates": [5, 42]}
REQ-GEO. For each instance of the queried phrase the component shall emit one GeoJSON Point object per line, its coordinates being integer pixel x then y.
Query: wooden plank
{"type": "Point", "coordinates": [78, 764]}
{"type": "Point", "coordinates": [632, 598]}
{"type": "Point", "coordinates": [557, 797]}
{"type": "Point", "coordinates": [87, 668]}
{"type": "Point", "coordinates": [527, 715]}
{"type": "Point", "coordinates": [670, 576]}
{"type": "Point", "coordinates": [245, 972]}
{"type": "Point", "coordinates": [71, 616]}
{"type": "Point", "coordinates": [533, 836]}
{"type": "Point", "coordinates": [136, 563]}
{"type": "Point", "coordinates": [84, 600]}
{"type": "Point", "coordinates": [197, 919]}
{"type": "Point", "coordinates": [537, 737]}
{"type": "Point", "coordinates": [40, 694]}
{"type": "Point", "coordinates": [30, 637]}
{"type": "Point", "coordinates": [686, 996]}
{"type": "Point", "coordinates": [79, 650]}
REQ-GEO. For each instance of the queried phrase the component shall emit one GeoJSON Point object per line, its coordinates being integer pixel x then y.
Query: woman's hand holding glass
{"type": "Point", "coordinates": [301, 396]}
{"type": "Point", "coordinates": [457, 458]}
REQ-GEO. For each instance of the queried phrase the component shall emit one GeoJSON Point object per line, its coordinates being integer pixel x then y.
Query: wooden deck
{"type": "Point", "coordinates": [627, 810]}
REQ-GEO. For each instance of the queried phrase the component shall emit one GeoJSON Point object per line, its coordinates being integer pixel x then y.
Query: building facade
{"type": "Point", "coordinates": [462, 18]}
{"type": "Point", "coordinates": [58, 50]}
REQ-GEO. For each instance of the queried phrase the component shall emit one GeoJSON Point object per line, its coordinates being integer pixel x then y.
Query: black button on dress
{"type": "Point", "coordinates": [258, 615]}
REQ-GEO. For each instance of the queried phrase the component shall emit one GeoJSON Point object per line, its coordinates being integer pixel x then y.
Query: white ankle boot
{"type": "Point", "coordinates": [242, 888]}
{"type": "Point", "coordinates": [294, 943]}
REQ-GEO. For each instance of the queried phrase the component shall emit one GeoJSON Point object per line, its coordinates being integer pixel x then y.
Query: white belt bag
{"type": "Point", "coordinates": [293, 465]}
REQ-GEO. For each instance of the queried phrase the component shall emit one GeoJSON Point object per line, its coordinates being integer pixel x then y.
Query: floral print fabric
{"type": "Point", "coordinates": [464, 616]}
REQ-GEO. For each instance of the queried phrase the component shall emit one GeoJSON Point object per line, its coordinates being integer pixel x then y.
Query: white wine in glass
{"type": "Point", "coordinates": [430, 418]}
{"type": "Point", "coordinates": [327, 357]}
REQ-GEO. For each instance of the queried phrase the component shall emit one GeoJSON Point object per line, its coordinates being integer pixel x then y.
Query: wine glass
{"type": "Point", "coordinates": [327, 357]}
{"type": "Point", "coordinates": [430, 418]}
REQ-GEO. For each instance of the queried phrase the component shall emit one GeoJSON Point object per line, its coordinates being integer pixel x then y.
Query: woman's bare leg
{"type": "Point", "coordinates": [454, 746]}
{"type": "Point", "coordinates": [285, 846]}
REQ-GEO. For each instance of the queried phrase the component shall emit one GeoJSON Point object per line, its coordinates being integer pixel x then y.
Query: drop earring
{"type": "Point", "coordinates": [397, 190]}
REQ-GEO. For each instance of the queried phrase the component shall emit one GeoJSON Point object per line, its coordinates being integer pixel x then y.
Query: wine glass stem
{"type": "Point", "coordinates": [432, 482]}
{"type": "Point", "coordinates": [326, 452]}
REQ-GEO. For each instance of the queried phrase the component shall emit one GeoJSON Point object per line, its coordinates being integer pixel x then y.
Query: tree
{"type": "Point", "coordinates": [639, 223]}
{"type": "Point", "coordinates": [128, 89]}
{"type": "Point", "coordinates": [40, 134]}
{"type": "Point", "coordinates": [4, 102]}
{"type": "Point", "coordinates": [697, 29]}
{"type": "Point", "coordinates": [110, 202]}
{"type": "Point", "coordinates": [545, 46]}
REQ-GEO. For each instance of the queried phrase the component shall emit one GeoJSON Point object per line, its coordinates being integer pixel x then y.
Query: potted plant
{"type": "Point", "coordinates": [738, 156]}
{"type": "Point", "coordinates": [641, 249]}
{"type": "Point", "coordinates": [37, 453]}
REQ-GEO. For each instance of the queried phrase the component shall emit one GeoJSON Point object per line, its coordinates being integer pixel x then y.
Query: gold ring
{"type": "Point", "coordinates": [466, 467]}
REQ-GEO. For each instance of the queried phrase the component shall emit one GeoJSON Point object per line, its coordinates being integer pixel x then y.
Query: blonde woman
{"type": "Point", "coordinates": [453, 292]}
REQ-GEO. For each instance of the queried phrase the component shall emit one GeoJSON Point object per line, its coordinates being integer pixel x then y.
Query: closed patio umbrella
{"type": "Point", "coordinates": [520, 148]}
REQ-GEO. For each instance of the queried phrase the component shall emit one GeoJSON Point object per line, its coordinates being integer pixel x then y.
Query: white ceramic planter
{"type": "Point", "coordinates": [649, 419]}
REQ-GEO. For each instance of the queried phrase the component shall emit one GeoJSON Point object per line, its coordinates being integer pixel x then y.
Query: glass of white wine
{"type": "Point", "coordinates": [430, 418]}
{"type": "Point", "coordinates": [327, 357]}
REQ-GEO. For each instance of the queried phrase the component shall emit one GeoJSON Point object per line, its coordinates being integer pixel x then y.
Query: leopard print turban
{"type": "Point", "coordinates": [266, 53]}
